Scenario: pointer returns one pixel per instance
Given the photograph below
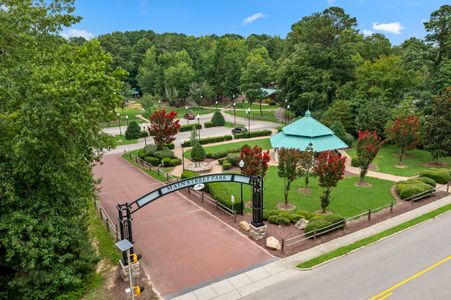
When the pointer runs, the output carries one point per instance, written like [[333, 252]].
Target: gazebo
[[301, 133]]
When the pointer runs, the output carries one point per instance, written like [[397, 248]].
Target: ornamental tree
[[329, 168], [368, 145], [404, 132], [163, 127], [289, 168], [306, 161], [255, 161]]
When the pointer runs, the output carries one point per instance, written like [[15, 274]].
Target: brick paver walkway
[[183, 246]]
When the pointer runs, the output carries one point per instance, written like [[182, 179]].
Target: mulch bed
[[286, 232]]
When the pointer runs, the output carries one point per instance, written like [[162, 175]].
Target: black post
[[241, 199], [257, 202], [198, 125], [183, 159], [125, 227], [234, 114]]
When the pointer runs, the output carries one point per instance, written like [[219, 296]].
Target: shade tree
[[163, 127], [367, 147]]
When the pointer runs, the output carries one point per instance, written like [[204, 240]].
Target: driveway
[[183, 246]]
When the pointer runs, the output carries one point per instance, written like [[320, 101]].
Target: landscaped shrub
[[411, 187], [439, 175], [355, 162], [141, 153], [427, 180], [188, 174], [209, 140], [218, 119], [166, 161], [189, 127], [170, 146], [209, 124], [410, 191], [216, 155], [233, 150], [133, 131], [154, 161], [280, 217], [304, 214], [220, 193], [323, 224], [150, 150], [198, 152], [175, 162], [252, 134], [164, 154], [339, 130], [144, 133], [226, 165], [233, 158]]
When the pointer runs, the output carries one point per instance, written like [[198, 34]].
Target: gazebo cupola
[[301, 133]]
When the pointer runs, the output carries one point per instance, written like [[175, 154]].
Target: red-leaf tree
[[163, 127], [330, 168], [368, 145], [289, 168], [404, 132], [255, 161]]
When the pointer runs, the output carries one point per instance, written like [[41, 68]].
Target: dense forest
[[324, 64]]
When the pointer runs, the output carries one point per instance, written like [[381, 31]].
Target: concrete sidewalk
[[259, 278]]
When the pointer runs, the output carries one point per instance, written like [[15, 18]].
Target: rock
[[273, 243], [245, 226], [301, 223]]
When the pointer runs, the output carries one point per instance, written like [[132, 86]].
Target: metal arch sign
[[189, 182]]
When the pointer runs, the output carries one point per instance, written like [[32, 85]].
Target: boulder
[[245, 226], [301, 223], [273, 243]]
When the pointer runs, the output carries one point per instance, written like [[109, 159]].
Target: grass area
[[388, 157], [120, 140], [264, 143], [181, 111], [255, 115], [346, 249], [107, 251], [347, 199], [231, 125], [153, 173], [132, 114], [256, 106]]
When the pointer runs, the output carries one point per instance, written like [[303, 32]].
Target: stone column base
[[124, 271], [257, 233]]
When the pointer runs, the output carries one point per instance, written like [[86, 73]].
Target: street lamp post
[[216, 103], [234, 114], [198, 124], [186, 111], [182, 141], [119, 119], [288, 112], [286, 103], [248, 111], [241, 165], [126, 118]]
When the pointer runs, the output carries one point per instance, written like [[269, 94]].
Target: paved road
[[183, 245], [373, 271], [205, 132]]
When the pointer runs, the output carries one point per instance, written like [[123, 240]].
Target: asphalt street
[[205, 132], [415, 264]]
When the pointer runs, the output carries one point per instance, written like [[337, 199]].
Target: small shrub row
[[281, 217], [220, 193], [411, 187], [439, 175], [221, 154], [210, 124], [252, 134], [323, 224], [190, 127], [210, 140], [171, 162]]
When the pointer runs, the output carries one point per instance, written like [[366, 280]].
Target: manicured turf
[[255, 115], [346, 249], [255, 106], [155, 174], [181, 111], [347, 199], [132, 116], [119, 140], [264, 143], [388, 157]]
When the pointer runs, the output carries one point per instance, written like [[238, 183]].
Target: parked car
[[190, 116], [239, 130]]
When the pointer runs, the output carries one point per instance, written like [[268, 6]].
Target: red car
[[190, 116]]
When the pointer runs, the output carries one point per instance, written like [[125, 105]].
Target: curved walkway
[[183, 246]]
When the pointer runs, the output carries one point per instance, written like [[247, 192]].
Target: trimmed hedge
[[220, 193], [164, 154], [427, 180], [170, 146], [281, 217], [198, 152], [218, 119], [150, 150], [133, 131], [226, 165], [411, 187], [209, 124], [439, 175], [175, 162], [188, 174], [189, 127], [209, 140], [216, 155], [141, 153], [154, 161], [324, 224], [252, 134], [233, 158]]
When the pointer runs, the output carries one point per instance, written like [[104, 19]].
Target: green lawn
[[388, 157], [255, 115], [347, 199], [231, 125], [119, 140], [132, 116], [181, 111], [255, 106], [264, 143]]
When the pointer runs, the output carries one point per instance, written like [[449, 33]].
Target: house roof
[[268, 92], [307, 130]]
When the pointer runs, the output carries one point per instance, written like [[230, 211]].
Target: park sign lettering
[[146, 199]]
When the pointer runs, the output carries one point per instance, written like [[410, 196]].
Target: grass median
[[366, 241]]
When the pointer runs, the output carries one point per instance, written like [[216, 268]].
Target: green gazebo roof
[[268, 92], [307, 130]]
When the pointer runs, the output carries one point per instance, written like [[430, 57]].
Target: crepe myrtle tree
[[329, 168], [404, 132], [368, 145], [289, 168], [163, 127], [255, 161], [307, 161]]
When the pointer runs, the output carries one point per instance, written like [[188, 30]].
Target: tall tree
[[372, 115], [148, 75], [368, 145], [255, 161], [163, 127], [404, 132], [288, 168], [306, 163]]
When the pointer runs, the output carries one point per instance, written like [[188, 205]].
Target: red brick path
[[183, 246]]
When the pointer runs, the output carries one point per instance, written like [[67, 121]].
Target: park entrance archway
[[125, 211]]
